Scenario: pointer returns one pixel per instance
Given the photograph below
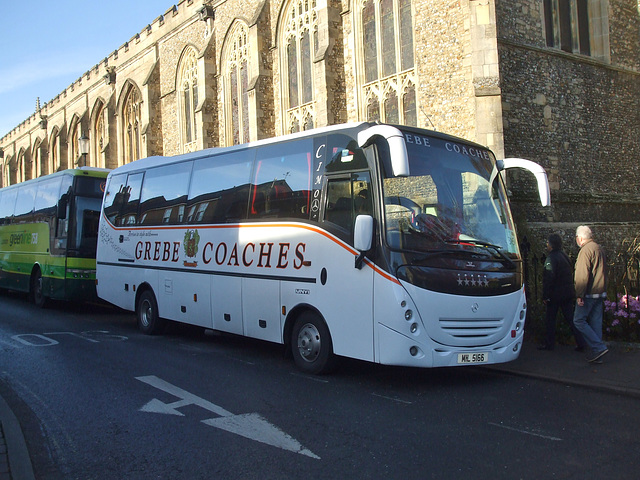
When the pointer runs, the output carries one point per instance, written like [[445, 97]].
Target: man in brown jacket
[[591, 290]]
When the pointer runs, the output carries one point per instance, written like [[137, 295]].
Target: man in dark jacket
[[558, 292]]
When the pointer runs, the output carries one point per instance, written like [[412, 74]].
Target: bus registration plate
[[471, 358]]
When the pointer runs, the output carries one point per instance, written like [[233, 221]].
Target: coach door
[[350, 320]]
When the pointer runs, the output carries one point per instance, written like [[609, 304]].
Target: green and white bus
[[49, 233]]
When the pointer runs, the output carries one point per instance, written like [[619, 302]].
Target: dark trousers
[[567, 308]]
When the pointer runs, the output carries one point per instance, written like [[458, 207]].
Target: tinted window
[[164, 194], [26, 200], [115, 196], [282, 180], [62, 228], [90, 186], [219, 190], [129, 212], [347, 198], [7, 203], [48, 195], [122, 199], [339, 207], [344, 154]]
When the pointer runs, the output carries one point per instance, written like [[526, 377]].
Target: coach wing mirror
[[362, 237], [533, 167], [397, 147], [62, 206]]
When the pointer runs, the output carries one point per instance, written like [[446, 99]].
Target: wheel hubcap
[[309, 342], [145, 313]]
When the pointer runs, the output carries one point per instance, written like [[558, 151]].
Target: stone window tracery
[[37, 158], [300, 34], [236, 65], [74, 151], [54, 143], [99, 135], [21, 167], [387, 73], [188, 91], [131, 120]]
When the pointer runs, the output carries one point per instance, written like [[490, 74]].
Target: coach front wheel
[[37, 293], [149, 322], [311, 344]]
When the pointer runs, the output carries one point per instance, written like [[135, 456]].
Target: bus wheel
[[147, 312], [37, 294], [311, 344]]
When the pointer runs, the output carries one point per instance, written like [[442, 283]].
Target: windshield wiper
[[421, 256], [480, 243]]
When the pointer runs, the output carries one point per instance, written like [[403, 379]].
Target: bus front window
[[447, 200], [85, 231]]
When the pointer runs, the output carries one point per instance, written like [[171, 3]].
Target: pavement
[[619, 373], [15, 463]]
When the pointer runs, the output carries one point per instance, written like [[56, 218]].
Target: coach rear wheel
[[149, 321], [311, 344]]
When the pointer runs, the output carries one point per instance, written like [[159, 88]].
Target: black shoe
[[597, 356], [545, 347]]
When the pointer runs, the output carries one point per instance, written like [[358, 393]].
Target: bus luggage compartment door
[[226, 293], [261, 309]]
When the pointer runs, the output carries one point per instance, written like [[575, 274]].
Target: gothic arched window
[[99, 134], [300, 42], [74, 151], [37, 158], [236, 77], [131, 125], [54, 152], [387, 84], [188, 99], [21, 167]]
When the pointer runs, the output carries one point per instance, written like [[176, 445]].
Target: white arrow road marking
[[250, 425], [156, 406], [254, 427]]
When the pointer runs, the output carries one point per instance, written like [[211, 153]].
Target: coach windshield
[[448, 200]]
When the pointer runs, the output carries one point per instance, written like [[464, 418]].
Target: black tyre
[[37, 293], [311, 344], [149, 321]]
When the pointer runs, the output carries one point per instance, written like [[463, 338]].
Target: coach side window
[[122, 198], [25, 203], [219, 191], [47, 198], [164, 194], [115, 196], [130, 208], [346, 198], [7, 204], [282, 181]]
